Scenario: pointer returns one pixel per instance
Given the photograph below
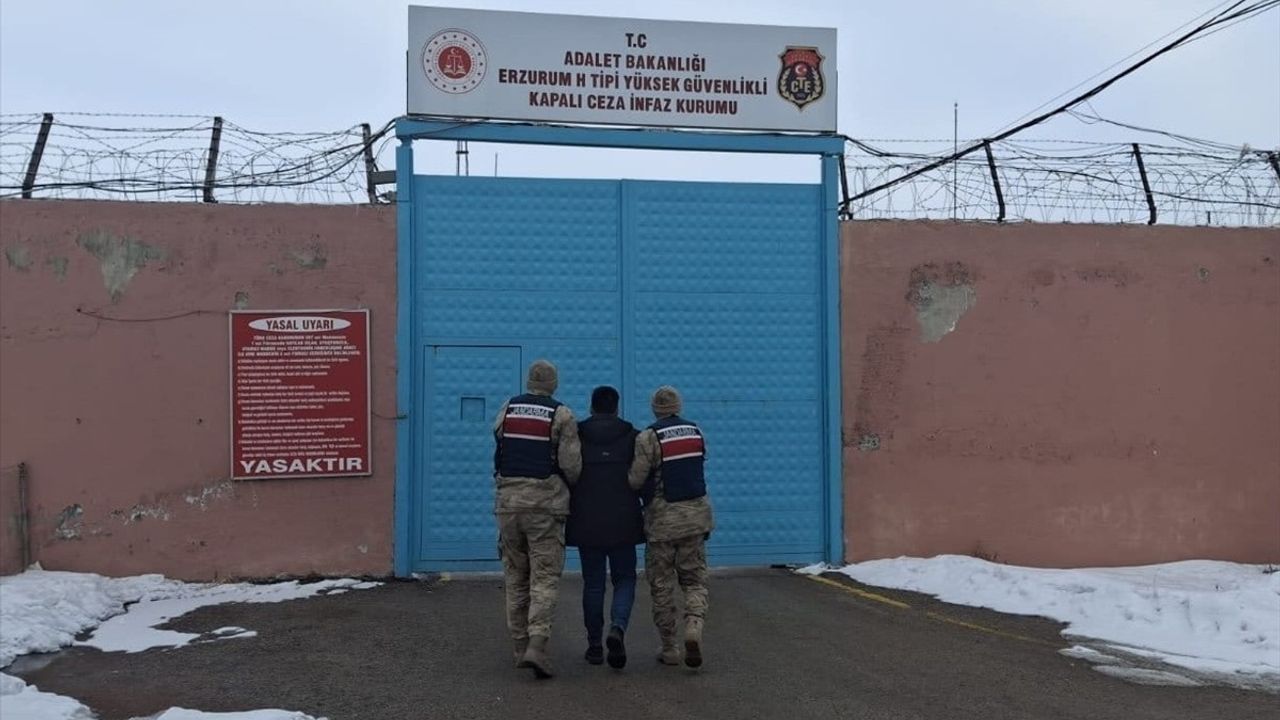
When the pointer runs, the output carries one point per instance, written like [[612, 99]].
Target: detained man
[[606, 524]]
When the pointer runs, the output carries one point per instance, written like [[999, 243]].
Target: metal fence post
[[370, 167], [211, 169], [995, 179], [845, 213], [1146, 186], [37, 153]]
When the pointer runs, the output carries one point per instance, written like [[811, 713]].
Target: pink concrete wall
[[1108, 395], [124, 425], [1045, 395]]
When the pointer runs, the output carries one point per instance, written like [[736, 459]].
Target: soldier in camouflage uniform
[[536, 458], [677, 519]]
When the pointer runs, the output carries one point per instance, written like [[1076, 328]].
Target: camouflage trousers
[[532, 549], [680, 562]]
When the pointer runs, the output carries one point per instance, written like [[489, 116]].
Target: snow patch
[[20, 700], [42, 611], [1147, 676], [1215, 618], [183, 714], [136, 630], [233, 631], [1080, 652]]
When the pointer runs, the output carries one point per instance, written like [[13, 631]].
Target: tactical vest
[[524, 446], [683, 454]]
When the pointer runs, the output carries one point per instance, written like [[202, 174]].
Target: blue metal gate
[[720, 289]]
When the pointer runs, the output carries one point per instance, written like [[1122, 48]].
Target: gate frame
[[829, 147]]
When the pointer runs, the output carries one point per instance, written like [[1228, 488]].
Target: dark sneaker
[[617, 649], [594, 655]]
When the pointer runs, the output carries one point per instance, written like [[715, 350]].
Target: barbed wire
[[169, 160], [1193, 182], [166, 157]]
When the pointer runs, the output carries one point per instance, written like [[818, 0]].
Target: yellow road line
[[985, 629], [929, 614], [860, 593]]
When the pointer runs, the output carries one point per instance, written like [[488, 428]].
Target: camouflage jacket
[[542, 495], [665, 521]]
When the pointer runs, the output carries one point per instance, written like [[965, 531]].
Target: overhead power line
[[1117, 63], [1236, 12]]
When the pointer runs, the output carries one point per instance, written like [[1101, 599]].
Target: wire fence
[[1177, 180], [1071, 181], [183, 158]]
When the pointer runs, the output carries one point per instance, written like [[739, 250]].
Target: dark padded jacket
[[603, 510]]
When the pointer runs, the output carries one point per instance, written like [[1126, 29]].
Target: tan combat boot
[[693, 641], [669, 655], [536, 657], [518, 650]]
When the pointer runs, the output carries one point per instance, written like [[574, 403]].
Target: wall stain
[[211, 493], [869, 442], [58, 265], [1043, 277], [242, 300], [121, 258], [140, 512], [18, 257], [875, 408], [941, 296], [1001, 441], [1119, 275], [310, 258], [70, 523]]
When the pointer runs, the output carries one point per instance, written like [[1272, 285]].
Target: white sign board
[[597, 70]]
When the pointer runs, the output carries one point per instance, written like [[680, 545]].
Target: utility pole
[[462, 163], [955, 149]]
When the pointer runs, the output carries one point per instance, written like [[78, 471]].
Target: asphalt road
[[777, 646]]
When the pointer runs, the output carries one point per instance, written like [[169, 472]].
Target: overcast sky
[[292, 65]]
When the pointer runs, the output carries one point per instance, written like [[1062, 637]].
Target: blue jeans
[[622, 564]]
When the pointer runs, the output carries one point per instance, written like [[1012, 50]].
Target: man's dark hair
[[604, 401]]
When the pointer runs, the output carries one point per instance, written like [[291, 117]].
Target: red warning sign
[[300, 394]]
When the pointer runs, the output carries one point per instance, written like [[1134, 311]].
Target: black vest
[[524, 443], [683, 454], [604, 511]]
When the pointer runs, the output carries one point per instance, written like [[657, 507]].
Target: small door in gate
[[464, 387]]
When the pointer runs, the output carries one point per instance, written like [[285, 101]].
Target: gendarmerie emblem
[[800, 81]]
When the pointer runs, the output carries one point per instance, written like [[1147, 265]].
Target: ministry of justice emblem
[[454, 61]]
